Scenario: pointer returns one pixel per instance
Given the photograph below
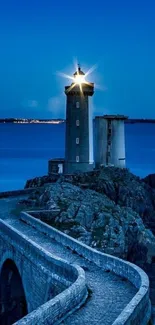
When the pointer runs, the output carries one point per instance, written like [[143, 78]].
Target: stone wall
[[138, 311], [39, 270]]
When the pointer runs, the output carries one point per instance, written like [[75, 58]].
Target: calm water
[[26, 148]]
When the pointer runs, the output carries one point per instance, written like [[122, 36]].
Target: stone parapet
[[138, 311], [43, 262]]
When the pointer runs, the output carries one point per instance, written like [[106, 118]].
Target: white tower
[[110, 140]]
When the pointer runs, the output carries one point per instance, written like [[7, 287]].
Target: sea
[[26, 148]]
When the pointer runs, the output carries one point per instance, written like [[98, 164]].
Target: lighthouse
[[79, 128]]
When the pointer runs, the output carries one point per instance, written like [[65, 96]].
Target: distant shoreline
[[59, 121], [139, 120], [31, 121]]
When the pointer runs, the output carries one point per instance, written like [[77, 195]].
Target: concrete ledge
[[68, 300], [138, 311]]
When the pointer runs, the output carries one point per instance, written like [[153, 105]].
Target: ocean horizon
[[26, 148]]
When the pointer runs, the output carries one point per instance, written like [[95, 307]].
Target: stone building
[[109, 140]]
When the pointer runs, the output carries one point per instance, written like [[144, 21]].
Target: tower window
[[77, 140], [77, 104], [77, 158], [77, 122]]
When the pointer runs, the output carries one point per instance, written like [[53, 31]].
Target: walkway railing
[[138, 311], [68, 300]]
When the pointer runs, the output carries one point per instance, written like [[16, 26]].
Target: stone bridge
[[47, 277]]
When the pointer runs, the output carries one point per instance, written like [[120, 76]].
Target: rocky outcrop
[[150, 180], [96, 220], [110, 209], [124, 188], [40, 181], [119, 185]]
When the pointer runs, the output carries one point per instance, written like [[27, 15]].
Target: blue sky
[[39, 38]]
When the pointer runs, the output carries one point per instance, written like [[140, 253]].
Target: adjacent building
[[109, 140]]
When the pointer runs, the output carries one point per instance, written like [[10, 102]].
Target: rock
[[150, 180], [83, 212], [112, 212], [41, 181]]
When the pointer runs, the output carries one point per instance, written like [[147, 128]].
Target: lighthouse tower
[[79, 129]]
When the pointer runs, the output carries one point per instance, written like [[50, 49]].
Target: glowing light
[[94, 67], [64, 75], [79, 79]]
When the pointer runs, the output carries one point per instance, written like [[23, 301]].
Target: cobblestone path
[[110, 293]]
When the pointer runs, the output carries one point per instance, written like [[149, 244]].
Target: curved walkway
[[109, 294]]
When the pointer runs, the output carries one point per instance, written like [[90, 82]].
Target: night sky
[[39, 38]]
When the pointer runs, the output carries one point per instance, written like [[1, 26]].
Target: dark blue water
[[26, 148]]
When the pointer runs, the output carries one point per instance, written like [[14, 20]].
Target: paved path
[[110, 294]]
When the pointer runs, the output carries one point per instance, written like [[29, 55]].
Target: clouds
[[56, 105], [52, 107], [33, 103], [29, 103]]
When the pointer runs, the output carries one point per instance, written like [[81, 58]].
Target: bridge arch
[[13, 305]]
